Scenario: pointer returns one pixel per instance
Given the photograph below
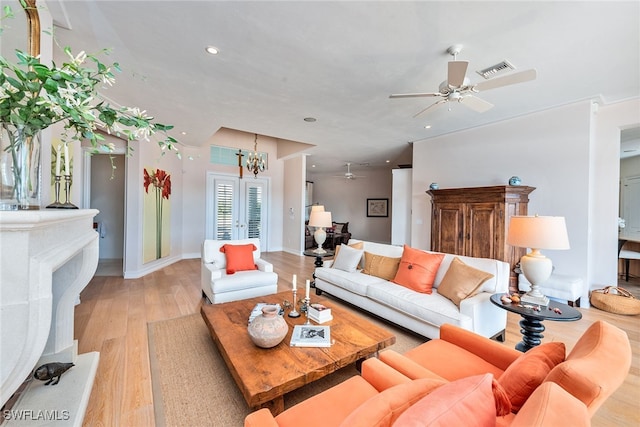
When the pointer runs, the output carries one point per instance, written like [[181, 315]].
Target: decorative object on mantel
[[67, 181], [255, 160], [34, 96], [51, 372], [434, 186], [269, 328], [514, 180]]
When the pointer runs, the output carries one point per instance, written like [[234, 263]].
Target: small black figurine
[[52, 372]]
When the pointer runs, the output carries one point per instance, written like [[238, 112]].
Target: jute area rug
[[191, 383]]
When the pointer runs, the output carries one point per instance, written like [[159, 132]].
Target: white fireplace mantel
[[46, 258]]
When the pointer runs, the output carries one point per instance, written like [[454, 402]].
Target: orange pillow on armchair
[[239, 257]]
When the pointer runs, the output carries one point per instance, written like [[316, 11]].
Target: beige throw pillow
[[462, 281], [380, 266]]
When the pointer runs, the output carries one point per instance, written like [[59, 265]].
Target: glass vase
[[20, 169]]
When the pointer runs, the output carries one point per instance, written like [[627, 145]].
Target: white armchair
[[218, 286]]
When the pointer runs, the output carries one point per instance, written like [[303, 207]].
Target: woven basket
[[615, 300]]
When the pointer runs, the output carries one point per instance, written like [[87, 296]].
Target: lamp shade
[[320, 219], [538, 232], [319, 208]]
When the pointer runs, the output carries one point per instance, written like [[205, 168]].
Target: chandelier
[[255, 161]]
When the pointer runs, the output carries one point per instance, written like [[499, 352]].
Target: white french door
[[236, 208]]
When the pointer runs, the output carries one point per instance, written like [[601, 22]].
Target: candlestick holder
[[56, 204], [67, 189], [294, 312], [305, 308]]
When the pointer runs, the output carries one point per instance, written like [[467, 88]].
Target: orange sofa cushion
[[382, 410], [462, 281], [418, 269], [450, 361], [468, 401], [239, 257], [528, 371], [330, 407]]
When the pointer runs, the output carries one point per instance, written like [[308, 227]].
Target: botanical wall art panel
[[156, 222]]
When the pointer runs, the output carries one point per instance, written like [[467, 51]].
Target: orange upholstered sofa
[[461, 375]]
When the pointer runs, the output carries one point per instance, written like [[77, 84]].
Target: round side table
[[532, 319], [318, 262]]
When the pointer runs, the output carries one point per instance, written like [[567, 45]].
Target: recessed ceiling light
[[183, 133], [388, 161], [212, 50], [313, 166], [310, 119], [427, 126]]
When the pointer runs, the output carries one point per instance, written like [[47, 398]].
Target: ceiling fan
[[458, 88], [349, 174]]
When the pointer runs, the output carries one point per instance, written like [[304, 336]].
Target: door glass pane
[[254, 212], [224, 212]]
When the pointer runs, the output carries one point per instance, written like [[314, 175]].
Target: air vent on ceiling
[[494, 70]]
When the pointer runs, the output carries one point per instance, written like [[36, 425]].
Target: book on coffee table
[[310, 336]]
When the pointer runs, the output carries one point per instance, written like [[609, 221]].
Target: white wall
[[609, 121], [347, 201], [294, 196], [573, 167]]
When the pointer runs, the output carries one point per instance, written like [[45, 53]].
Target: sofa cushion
[[239, 257], [450, 361], [380, 266], [430, 308], [462, 281], [469, 401], [528, 371], [386, 407], [357, 283], [418, 269], [242, 280], [347, 258]]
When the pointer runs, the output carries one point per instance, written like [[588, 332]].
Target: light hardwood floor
[[113, 315]]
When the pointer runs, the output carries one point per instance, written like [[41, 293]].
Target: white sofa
[[218, 286], [419, 312]]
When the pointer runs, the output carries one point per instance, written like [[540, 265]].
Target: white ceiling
[[339, 61]]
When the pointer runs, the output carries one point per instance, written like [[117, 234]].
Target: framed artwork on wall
[[378, 207]]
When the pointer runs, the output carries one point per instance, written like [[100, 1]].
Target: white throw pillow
[[348, 258]]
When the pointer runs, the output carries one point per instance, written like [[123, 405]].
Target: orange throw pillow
[[475, 400], [418, 269], [239, 257], [528, 371]]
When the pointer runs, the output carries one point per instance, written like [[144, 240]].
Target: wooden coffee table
[[265, 375]]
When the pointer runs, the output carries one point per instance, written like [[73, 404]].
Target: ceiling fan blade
[[520, 77], [475, 103], [414, 95], [442, 101], [457, 72]]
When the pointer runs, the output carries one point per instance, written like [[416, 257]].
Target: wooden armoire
[[474, 222]]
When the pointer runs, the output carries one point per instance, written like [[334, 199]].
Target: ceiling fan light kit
[[457, 87]]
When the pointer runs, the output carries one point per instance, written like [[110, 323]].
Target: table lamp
[[320, 220], [537, 232]]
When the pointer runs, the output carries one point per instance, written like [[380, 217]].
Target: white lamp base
[[320, 236], [533, 299], [537, 269]]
